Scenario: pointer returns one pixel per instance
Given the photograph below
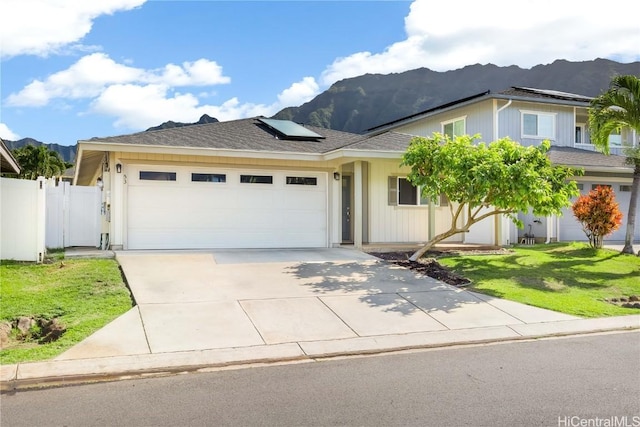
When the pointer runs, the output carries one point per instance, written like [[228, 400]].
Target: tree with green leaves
[[617, 108], [39, 161], [484, 180]]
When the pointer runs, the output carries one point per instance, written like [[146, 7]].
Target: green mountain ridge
[[67, 152], [360, 103]]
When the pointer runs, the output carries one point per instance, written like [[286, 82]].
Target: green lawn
[[570, 278], [85, 295]]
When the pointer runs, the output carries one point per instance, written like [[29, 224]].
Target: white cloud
[[139, 98], [41, 27], [448, 35], [199, 73], [151, 104], [299, 92], [8, 134], [92, 74], [141, 106]]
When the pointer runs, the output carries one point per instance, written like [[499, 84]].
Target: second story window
[[580, 134], [538, 125], [455, 127], [615, 139]]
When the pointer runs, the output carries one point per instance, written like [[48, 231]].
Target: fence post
[[41, 218]]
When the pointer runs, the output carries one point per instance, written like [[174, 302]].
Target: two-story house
[[529, 116]]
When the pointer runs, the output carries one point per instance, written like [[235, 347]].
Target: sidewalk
[[64, 372]]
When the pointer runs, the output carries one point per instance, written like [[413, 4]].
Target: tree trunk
[[431, 243], [631, 216]]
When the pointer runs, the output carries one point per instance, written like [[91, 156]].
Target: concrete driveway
[[198, 300]]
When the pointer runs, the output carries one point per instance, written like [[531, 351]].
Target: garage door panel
[[304, 219], [571, 229], [252, 199], [184, 214], [302, 198]]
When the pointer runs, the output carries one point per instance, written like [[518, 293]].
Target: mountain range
[[360, 103], [67, 152]]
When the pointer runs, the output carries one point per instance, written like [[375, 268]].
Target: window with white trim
[[615, 139], [403, 193], [538, 125], [455, 127]]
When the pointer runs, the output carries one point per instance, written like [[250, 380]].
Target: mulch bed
[[426, 265]]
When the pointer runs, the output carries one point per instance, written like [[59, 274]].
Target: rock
[[634, 298], [5, 332], [24, 325], [631, 305], [51, 330]]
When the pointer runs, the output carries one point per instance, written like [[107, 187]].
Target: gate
[[72, 216]]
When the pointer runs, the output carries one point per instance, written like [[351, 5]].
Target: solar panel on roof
[[290, 129]]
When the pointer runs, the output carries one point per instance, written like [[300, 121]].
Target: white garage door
[[195, 208]]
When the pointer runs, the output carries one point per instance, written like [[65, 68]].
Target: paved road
[[556, 382]]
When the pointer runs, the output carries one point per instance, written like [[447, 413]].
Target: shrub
[[598, 213]]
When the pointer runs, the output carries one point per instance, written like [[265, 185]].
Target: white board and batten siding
[[510, 123], [188, 214], [396, 224], [478, 120]]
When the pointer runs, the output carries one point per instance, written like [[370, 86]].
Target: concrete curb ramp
[[64, 372]]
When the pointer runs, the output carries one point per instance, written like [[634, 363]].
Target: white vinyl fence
[[35, 215], [22, 219]]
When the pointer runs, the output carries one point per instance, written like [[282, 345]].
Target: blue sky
[[79, 69]]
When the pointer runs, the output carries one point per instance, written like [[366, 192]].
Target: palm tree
[[616, 108], [39, 161]]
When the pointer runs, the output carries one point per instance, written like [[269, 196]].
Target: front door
[[347, 226]]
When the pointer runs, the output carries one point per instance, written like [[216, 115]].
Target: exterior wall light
[[118, 168], [99, 183], [336, 176]]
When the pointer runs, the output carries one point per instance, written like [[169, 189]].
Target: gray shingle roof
[[570, 156], [527, 92], [243, 134], [388, 141], [515, 92]]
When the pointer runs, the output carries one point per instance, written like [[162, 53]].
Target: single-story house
[[254, 183]]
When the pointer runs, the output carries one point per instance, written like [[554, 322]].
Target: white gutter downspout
[[496, 132], [498, 219], [549, 228]]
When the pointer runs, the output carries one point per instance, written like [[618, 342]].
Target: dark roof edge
[[562, 98], [439, 107]]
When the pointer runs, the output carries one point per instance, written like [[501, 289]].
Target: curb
[[56, 373]]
